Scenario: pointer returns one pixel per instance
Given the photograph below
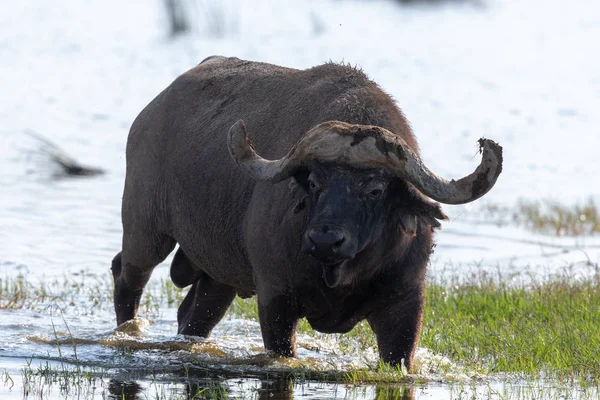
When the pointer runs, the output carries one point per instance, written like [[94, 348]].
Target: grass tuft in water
[[14, 293], [548, 216]]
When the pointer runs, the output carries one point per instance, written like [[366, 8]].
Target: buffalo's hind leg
[[203, 306], [131, 270]]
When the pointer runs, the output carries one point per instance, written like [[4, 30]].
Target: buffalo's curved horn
[[366, 146], [461, 191]]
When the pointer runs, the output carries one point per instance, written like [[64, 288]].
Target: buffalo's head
[[357, 179], [350, 209]]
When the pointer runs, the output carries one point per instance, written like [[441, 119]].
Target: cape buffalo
[[334, 225]]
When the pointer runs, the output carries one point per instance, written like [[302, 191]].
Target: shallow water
[[63, 344], [78, 73]]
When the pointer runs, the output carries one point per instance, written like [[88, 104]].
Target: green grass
[[550, 329], [548, 216]]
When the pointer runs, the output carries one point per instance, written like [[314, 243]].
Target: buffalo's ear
[[413, 203], [408, 223], [430, 212]]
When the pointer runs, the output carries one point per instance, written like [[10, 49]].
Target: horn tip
[[488, 147], [238, 129], [238, 140]]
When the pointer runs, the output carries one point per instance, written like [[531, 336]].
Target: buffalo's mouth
[[332, 246], [332, 273]]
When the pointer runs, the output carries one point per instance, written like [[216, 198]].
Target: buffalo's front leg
[[278, 320], [204, 306], [397, 326]]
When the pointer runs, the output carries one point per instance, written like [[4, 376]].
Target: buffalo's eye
[[375, 192], [314, 186]]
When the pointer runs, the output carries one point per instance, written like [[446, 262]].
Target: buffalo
[[328, 214]]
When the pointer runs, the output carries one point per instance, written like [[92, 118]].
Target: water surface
[[523, 74]]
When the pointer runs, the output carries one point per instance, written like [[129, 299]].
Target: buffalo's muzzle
[[329, 243]]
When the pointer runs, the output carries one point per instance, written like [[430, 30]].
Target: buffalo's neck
[[400, 269], [334, 310]]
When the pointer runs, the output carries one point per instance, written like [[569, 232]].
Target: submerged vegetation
[[548, 216]]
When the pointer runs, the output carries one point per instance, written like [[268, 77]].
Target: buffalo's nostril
[[325, 241], [308, 246], [337, 245]]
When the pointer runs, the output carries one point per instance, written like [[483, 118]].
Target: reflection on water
[[126, 390], [276, 389], [55, 380], [58, 380]]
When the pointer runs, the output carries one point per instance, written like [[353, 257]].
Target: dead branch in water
[[69, 166]]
